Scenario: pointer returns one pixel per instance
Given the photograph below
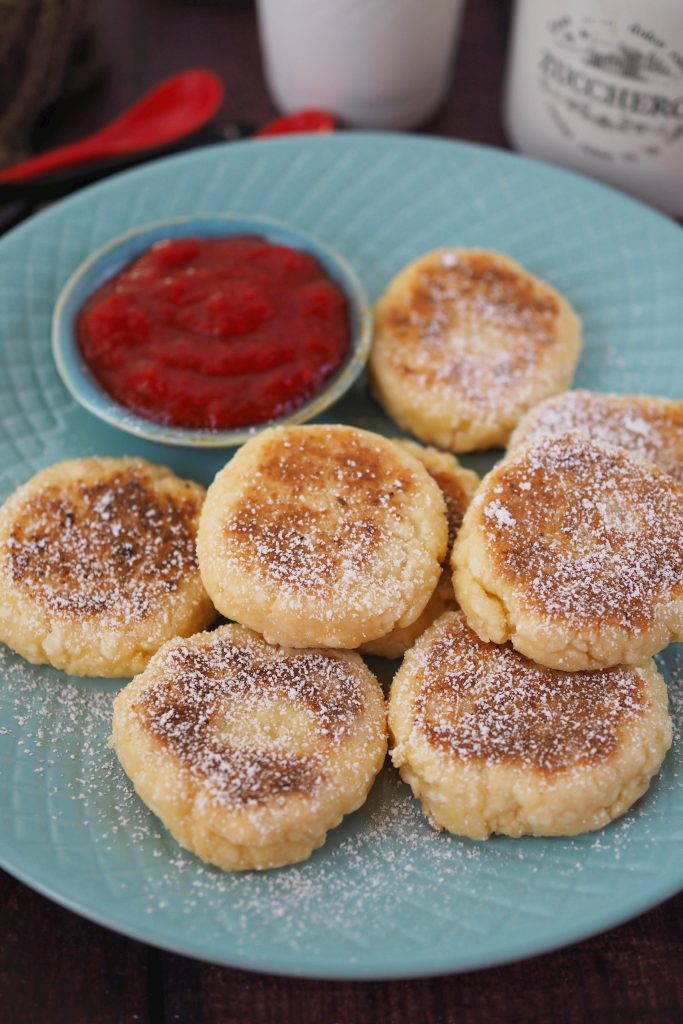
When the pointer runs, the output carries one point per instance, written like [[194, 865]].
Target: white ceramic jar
[[374, 63], [597, 85]]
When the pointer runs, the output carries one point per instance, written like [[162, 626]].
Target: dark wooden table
[[56, 967]]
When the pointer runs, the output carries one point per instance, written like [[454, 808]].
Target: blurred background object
[[48, 50], [597, 85], [167, 115], [373, 63]]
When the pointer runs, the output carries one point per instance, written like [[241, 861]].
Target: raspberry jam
[[215, 333]]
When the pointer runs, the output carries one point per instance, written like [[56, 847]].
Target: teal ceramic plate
[[386, 896]]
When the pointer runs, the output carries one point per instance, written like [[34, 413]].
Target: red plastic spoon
[[174, 109], [309, 121]]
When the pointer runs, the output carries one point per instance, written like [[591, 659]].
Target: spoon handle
[[46, 186], [172, 110], [55, 160], [93, 147]]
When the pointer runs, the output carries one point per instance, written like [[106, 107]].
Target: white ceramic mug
[[598, 85], [374, 63]]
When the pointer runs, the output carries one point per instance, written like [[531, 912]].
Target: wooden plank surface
[[56, 967], [618, 977]]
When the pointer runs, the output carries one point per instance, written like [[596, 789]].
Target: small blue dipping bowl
[[115, 255]]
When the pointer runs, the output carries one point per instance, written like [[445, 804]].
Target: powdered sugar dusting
[[347, 893], [585, 533], [475, 326], [112, 548], [329, 524], [651, 428], [486, 703], [206, 694], [494, 510]]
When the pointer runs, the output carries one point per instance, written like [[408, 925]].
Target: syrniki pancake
[[651, 428], [573, 551], [322, 536], [491, 742], [457, 483], [466, 342], [98, 566], [457, 486], [248, 753]]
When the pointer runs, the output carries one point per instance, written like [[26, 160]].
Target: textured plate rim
[[289, 965], [453, 962], [148, 169]]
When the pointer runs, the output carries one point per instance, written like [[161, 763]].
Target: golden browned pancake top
[[113, 548], [444, 324], [320, 507], [651, 428], [585, 533], [481, 702], [221, 706]]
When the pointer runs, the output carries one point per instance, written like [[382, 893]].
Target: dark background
[[56, 967]]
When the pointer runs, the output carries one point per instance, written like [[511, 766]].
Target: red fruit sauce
[[215, 333]]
